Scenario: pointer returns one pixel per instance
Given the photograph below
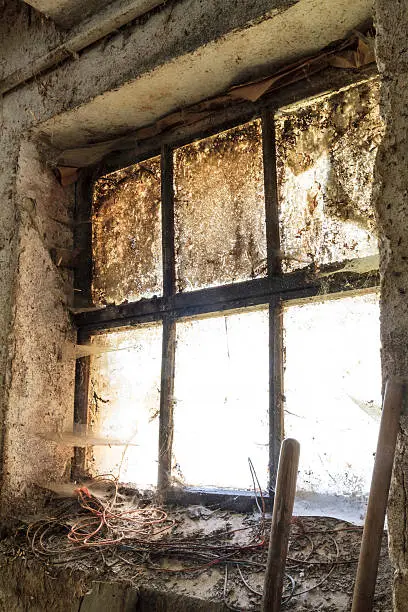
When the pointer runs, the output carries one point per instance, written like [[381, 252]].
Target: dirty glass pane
[[325, 153], [126, 239], [219, 209], [221, 401], [333, 392], [124, 401]]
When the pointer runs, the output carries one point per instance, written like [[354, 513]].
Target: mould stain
[[219, 208], [127, 234], [326, 155]]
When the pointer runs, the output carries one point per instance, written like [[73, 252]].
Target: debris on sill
[[210, 554], [359, 266]]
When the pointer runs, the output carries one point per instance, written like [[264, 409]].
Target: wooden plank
[[166, 405], [367, 569], [281, 519], [275, 389]]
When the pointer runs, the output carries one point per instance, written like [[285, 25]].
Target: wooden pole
[[281, 519], [377, 503]]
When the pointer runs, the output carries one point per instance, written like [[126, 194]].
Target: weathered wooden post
[[281, 520], [377, 502]]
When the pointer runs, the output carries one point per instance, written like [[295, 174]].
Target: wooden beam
[[293, 286]]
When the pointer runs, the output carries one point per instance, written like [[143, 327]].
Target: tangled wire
[[137, 536], [106, 523]]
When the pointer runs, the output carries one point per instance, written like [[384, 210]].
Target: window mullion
[[81, 405], [275, 387], [271, 194], [169, 324], [167, 207], [275, 307], [83, 240], [166, 404]]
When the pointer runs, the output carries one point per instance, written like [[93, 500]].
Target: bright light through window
[[221, 400], [333, 392], [124, 403]]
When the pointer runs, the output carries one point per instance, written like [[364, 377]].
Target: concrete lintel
[[182, 76]]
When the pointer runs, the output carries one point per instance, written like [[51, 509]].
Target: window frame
[[271, 291]]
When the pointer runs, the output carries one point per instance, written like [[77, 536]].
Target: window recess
[[254, 219]]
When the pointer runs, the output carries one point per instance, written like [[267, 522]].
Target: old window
[[235, 274]]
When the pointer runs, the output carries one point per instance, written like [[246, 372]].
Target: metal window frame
[[272, 291]]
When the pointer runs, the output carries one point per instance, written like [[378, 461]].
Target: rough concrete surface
[[188, 51], [25, 35], [67, 12], [40, 390], [392, 209]]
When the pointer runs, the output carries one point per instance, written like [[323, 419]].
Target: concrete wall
[[184, 52], [25, 35], [40, 390], [392, 207]]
